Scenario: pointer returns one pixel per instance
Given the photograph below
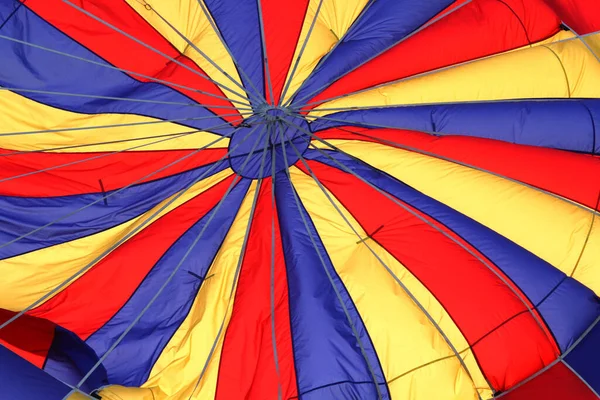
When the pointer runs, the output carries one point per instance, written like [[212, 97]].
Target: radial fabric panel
[[303, 199]]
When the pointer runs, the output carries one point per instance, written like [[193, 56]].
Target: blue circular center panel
[[267, 135]]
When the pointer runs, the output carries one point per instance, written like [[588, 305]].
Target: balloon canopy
[[299, 199]]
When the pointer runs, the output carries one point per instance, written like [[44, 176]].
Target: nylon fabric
[[67, 218], [86, 315], [170, 309], [261, 375], [477, 29], [550, 228], [178, 369], [579, 14], [237, 20], [553, 293], [383, 24], [28, 277], [71, 26], [542, 123], [563, 173], [558, 70], [408, 344], [20, 114], [69, 358], [21, 177], [22, 378], [29, 337], [510, 327], [333, 21], [117, 392], [557, 383], [25, 66], [338, 350], [302, 199], [282, 24], [190, 20], [581, 359]]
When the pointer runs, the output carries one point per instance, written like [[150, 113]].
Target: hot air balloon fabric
[[300, 199]]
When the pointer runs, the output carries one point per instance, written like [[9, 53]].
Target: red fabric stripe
[[480, 28], [564, 173], [117, 276], [282, 22], [125, 53], [476, 299], [558, 383], [247, 368], [28, 337], [581, 15], [115, 171]]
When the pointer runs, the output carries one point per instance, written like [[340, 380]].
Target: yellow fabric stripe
[[594, 42], [406, 339], [333, 21], [588, 268], [550, 227], [116, 392], [27, 277], [77, 396], [189, 19], [19, 114], [178, 368], [560, 36], [540, 71]]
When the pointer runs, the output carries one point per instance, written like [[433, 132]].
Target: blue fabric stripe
[[26, 67], [383, 24], [132, 360], [21, 215], [560, 124], [584, 358], [8, 11], [238, 22], [325, 349], [20, 379], [567, 306], [569, 310], [593, 107], [69, 359], [342, 390]]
